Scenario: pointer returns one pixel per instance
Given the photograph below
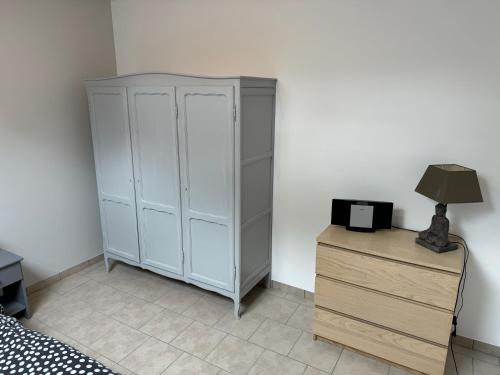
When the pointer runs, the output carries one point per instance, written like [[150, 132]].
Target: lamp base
[[436, 237], [437, 249]]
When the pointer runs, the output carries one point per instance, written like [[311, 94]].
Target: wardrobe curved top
[[174, 78]]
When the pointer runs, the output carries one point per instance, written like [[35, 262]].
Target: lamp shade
[[450, 183]]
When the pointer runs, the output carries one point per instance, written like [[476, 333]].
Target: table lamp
[[446, 183]]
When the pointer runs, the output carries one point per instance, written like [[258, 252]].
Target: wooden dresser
[[382, 294]]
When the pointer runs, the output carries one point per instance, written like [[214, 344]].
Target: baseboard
[[477, 345], [463, 341], [63, 274], [291, 290], [458, 340]]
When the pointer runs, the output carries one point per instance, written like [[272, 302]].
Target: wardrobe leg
[[237, 313], [267, 281], [107, 263]]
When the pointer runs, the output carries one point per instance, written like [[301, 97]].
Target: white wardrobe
[[185, 176]]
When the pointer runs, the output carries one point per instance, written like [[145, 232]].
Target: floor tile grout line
[[223, 315], [147, 339], [80, 343], [162, 307], [287, 356], [50, 289], [256, 329], [309, 365], [149, 336], [165, 369], [297, 300], [265, 349], [201, 296], [169, 343], [295, 343], [216, 346], [194, 320], [107, 283], [467, 354], [238, 338], [195, 356], [192, 355], [338, 360], [139, 330], [294, 311], [255, 362], [101, 336], [116, 363], [70, 291], [57, 329], [180, 333]]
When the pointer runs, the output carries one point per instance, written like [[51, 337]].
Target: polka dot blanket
[[26, 352]]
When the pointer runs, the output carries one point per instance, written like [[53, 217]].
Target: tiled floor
[[136, 322]]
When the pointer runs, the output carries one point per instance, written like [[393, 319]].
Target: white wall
[[370, 93], [48, 197]]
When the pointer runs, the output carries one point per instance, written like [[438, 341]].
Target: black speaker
[[362, 216]]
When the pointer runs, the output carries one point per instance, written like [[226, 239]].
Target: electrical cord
[[453, 355], [461, 284]]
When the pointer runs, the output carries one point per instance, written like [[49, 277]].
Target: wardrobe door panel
[[210, 263], [121, 229], [154, 134], [161, 238], [208, 153], [206, 133], [113, 158]]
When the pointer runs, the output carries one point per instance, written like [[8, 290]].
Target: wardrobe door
[[115, 179], [206, 134], [156, 166]]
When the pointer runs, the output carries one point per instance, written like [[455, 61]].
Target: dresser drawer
[[10, 274], [401, 349], [402, 315], [436, 288]]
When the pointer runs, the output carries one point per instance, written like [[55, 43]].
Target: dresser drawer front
[[406, 351], [401, 315], [9, 275], [415, 283]]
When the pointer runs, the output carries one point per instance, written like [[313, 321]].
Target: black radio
[[362, 216]]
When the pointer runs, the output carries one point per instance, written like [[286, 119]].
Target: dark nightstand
[[12, 290]]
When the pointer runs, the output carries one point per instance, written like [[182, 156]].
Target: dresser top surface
[[395, 244], [7, 258]]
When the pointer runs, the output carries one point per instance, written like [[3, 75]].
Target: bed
[[23, 351]]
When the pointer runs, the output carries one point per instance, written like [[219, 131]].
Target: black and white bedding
[[23, 351]]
